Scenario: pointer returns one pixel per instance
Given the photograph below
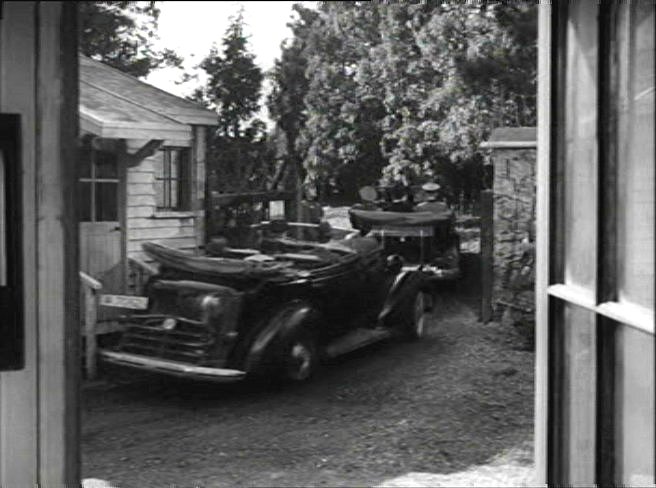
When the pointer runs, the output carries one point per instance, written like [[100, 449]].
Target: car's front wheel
[[419, 313], [300, 359]]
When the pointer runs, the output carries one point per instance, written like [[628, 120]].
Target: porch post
[[542, 243]]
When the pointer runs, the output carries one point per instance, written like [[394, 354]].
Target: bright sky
[[190, 28]]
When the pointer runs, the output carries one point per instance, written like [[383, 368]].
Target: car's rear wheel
[[300, 359]]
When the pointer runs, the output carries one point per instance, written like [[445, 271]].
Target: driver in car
[[433, 201], [400, 201]]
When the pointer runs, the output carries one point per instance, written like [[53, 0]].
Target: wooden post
[[542, 264], [39, 428], [199, 188], [90, 316], [90, 289], [487, 254], [57, 243]]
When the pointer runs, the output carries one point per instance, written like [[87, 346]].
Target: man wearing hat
[[432, 203]]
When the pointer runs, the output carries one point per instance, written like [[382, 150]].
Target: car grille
[[190, 341]]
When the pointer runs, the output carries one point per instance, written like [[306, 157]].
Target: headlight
[[211, 307], [195, 306]]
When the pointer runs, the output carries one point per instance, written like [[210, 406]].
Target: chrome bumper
[[172, 368], [433, 272]]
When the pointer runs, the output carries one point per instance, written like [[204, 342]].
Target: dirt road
[[456, 399]]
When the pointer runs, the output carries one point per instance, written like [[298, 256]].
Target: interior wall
[[38, 404]]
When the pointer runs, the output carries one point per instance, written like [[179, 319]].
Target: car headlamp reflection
[[211, 307]]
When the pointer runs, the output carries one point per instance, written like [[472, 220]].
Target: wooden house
[[141, 171]]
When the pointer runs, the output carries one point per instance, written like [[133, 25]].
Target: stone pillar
[[513, 156]]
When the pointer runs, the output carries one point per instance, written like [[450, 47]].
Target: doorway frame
[[119, 149]]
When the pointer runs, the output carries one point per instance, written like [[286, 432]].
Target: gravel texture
[[458, 403]]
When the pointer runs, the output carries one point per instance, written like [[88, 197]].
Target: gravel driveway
[[454, 400]]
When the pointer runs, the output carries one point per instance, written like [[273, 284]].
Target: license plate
[[124, 301]]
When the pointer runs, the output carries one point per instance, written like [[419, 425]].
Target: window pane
[[106, 165], [3, 237], [174, 197], [175, 162], [160, 198], [84, 161], [172, 188], [578, 394], [634, 420], [276, 209], [106, 202], [636, 154], [161, 159], [84, 201], [580, 145]]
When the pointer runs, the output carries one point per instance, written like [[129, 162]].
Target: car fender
[[404, 286], [285, 322]]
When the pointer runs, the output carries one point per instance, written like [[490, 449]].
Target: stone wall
[[513, 228]]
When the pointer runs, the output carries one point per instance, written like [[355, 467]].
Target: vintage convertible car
[[422, 235], [278, 309]]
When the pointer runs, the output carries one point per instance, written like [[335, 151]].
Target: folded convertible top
[[381, 217], [173, 258], [279, 266]]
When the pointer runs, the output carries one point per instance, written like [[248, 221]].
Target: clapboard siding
[[139, 211], [143, 222], [136, 177], [161, 232], [135, 189], [150, 223], [141, 201], [145, 166]]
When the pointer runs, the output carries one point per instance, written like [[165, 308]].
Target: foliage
[[400, 88], [239, 156], [234, 80], [238, 164], [342, 135], [289, 87], [121, 34]]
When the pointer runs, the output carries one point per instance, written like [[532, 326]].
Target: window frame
[[183, 179], [610, 316], [93, 181]]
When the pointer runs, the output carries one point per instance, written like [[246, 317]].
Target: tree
[[239, 154], [408, 88], [340, 138], [234, 84], [289, 88], [121, 34]]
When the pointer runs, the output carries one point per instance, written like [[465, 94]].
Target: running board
[[355, 340]]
